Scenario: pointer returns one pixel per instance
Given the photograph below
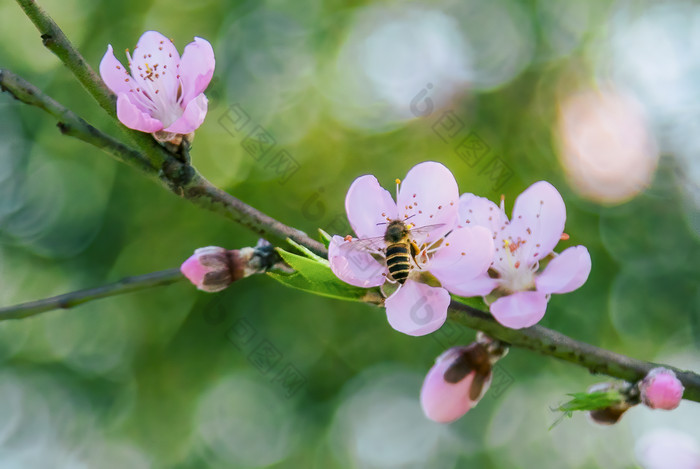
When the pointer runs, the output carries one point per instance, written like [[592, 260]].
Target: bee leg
[[415, 251]]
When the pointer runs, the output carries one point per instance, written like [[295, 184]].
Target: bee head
[[396, 231]]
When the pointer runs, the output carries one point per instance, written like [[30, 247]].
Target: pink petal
[[353, 265], [539, 215], [194, 270], [113, 73], [196, 68], [521, 309], [566, 272], [369, 207], [478, 286], [156, 52], [429, 196], [467, 253], [474, 210], [131, 116], [191, 118], [417, 309], [442, 401]]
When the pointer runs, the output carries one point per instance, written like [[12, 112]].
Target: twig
[[70, 124], [69, 300], [180, 178], [555, 344]]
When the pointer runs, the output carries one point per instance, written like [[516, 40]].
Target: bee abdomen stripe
[[396, 249]]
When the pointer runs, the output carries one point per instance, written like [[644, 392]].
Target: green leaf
[[586, 401], [324, 237], [315, 276], [304, 250], [475, 302], [591, 401]]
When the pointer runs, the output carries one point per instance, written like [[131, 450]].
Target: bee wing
[[420, 234], [425, 228], [370, 245]]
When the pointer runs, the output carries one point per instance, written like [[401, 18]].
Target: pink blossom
[[521, 243], [428, 202], [660, 389], [163, 92], [455, 383]]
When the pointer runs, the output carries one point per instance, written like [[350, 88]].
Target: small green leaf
[[586, 401], [324, 237], [475, 302], [591, 401], [316, 277], [304, 250]]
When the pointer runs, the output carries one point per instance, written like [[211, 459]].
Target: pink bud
[[456, 383], [661, 389], [211, 268]]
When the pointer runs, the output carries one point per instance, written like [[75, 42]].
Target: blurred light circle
[[243, 422], [606, 149], [666, 448], [393, 57], [92, 339], [107, 454], [564, 25], [382, 425], [499, 37]]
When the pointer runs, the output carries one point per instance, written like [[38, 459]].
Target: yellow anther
[[398, 181]]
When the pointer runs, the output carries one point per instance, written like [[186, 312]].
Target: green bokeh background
[[160, 378]]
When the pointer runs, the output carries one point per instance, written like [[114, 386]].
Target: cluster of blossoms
[[164, 93], [466, 243]]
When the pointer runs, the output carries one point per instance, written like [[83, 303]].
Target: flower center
[[152, 92], [515, 274]]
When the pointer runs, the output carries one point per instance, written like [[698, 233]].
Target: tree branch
[[185, 181], [69, 300], [71, 124]]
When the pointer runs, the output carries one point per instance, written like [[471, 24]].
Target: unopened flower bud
[[456, 382], [212, 268], [661, 389]]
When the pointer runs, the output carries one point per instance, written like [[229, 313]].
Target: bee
[[400, 249]]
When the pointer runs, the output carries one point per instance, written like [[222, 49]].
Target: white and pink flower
[[522, 242], [163, 92], [661, 389], [428, 200]]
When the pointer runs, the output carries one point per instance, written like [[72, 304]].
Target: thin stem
[[554, 344], [70, 300], [71, 124], [179, 177]]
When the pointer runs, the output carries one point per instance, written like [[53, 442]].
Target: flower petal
[[196, 68], [566, 272], [157, 53], [429, 196], [467, 253], [478, 286], [133, 117], [192, 117], [113, 73], [442, 401], [353, 265], [475, 210], [521, 309], [539, 215], [417, 309], [369, 206]]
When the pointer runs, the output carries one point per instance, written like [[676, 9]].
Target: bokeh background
[[600, 98]]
